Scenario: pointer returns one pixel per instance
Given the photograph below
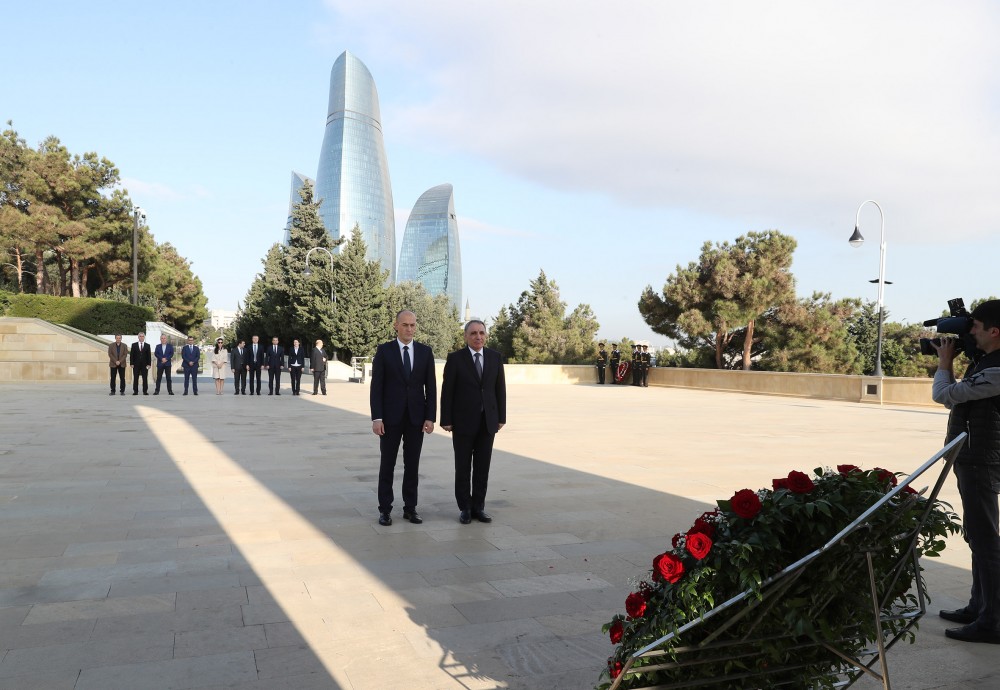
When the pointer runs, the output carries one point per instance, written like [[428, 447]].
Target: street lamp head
[[307, 272], [856, 239]]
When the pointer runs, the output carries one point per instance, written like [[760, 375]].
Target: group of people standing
[[246, 362], [404, 408], [642, 362]]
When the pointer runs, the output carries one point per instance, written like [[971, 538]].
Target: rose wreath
[[752, 536]]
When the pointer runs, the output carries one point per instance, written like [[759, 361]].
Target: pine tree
[[362, 319]]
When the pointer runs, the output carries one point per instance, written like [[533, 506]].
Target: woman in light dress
[[219, 359]]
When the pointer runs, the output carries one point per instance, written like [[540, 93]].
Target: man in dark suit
[[164, 361], [238, 362], [317, 363], [274, 362], [602, 362], [141, 358], [296, 363], [474, 409], [404, 407], [616, 359], [190, 361], [255, 360]]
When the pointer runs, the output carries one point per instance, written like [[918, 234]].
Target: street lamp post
[[307, 272], [138, 216], [857, 240]]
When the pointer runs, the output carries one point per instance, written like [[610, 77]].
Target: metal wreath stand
[[711, 651]]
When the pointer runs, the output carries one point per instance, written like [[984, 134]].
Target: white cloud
[[786, 112]]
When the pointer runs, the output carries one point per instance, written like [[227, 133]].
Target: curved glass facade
[[353, 175], [430, 254], [298, 179]]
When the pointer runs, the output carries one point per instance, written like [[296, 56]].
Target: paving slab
[[194, 542]]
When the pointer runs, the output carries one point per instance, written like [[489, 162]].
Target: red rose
[[615, 669], [669, 567], [698, 545], [745, 503], [910, 490], [799, 482], [886, 476], [704, 526], [848, 469], [635, 605], [779, 484], [616, 631]]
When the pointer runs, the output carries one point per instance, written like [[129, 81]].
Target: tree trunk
[[19, 260], [40, 272], [747, 343], [720, 341], [74, 276]]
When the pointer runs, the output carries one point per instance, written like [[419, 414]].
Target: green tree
[[722, 295], [362, 319], [178, 289], [809, 335], [437, 320], [537, 330]]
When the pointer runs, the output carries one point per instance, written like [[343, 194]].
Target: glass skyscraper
[[353, 175], [430, 254], [298, 179]]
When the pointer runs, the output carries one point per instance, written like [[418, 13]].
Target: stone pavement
[[168, 542]]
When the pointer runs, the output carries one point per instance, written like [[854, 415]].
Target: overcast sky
[[601, 142]]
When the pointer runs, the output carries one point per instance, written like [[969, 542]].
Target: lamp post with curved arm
[[307, 272], [857, 240]]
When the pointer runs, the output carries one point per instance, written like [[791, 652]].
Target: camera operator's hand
[[946, 353]]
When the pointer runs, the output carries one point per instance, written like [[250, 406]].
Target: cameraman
[[975, 408]]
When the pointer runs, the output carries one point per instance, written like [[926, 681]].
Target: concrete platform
[[223, 541]]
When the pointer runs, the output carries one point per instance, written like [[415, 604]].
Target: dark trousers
[[614, 372], [120, 373], [240, 380], [412, 437], [140, 373], [635, 375], [644, 377], [979, 486], [254, 376], [472, 466], [191, 373], [600, 374], [296, 374], [319, 379], [274, 380], [160, 371]]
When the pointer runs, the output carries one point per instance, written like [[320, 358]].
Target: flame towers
[[430, 254], [353, 175]]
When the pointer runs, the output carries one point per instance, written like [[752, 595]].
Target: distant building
[[221, 318], [353, 175], [430, 254], [298, 180]]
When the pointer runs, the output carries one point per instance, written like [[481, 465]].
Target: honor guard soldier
[[602, 362], [636, 364], [647, 363], [616, 358]]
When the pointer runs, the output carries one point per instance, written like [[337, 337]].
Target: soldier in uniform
[[616, 358], [602, 361], [647, 362], [636, 364]]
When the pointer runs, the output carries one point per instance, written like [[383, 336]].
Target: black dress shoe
[[170, 393], [482, 516], [465, 517], [384, 519], [134, 393], [112, 393], [156, 392], [962, 615], [412, 516], [973, 633]]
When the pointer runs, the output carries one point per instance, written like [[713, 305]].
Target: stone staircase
[[36, 350]]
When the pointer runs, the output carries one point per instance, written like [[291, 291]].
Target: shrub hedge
[[88, 314]]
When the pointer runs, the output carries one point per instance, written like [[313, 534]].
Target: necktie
[[406, 361], [479, 364]]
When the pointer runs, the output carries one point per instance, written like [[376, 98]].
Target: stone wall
[[36, 350]]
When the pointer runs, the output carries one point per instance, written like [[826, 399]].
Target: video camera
[[959, 323]]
